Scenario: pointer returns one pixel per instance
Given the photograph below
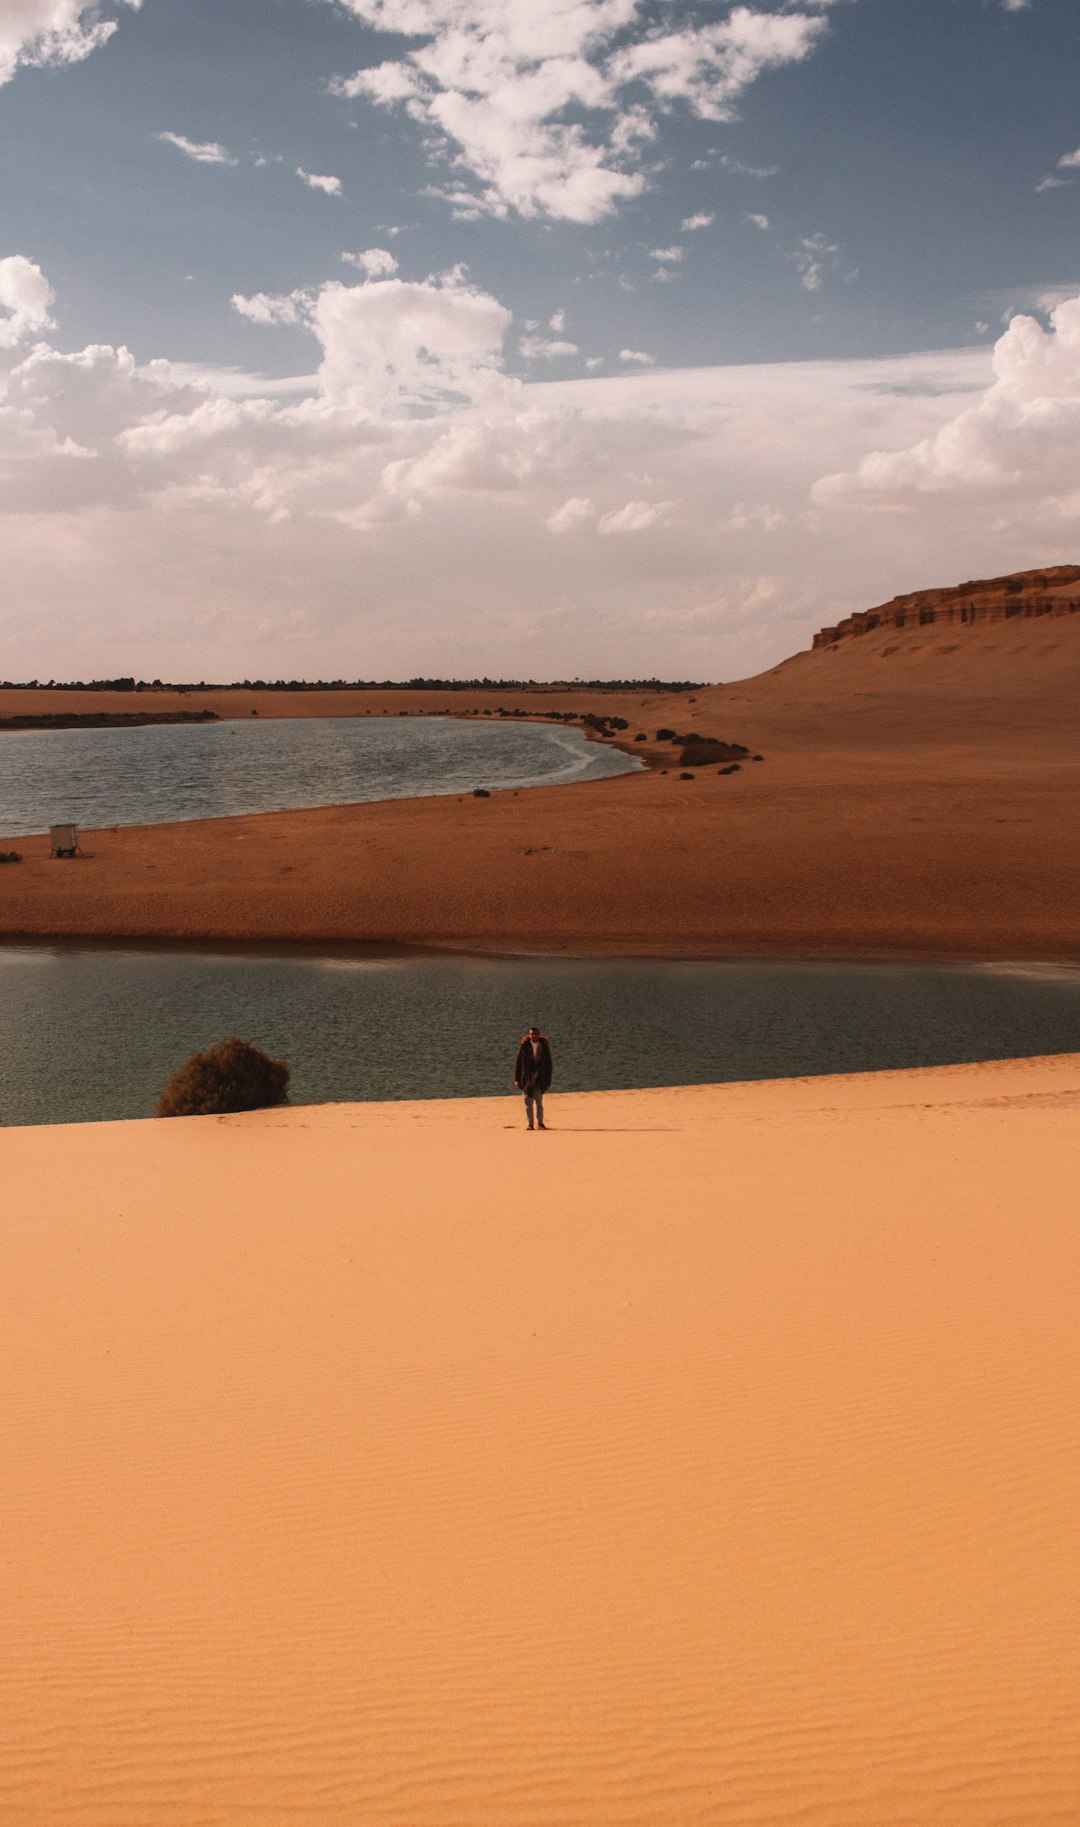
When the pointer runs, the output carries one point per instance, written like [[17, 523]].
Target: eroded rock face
[[1055, 591]]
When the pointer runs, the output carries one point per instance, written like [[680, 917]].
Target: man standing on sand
[[532, 1073]]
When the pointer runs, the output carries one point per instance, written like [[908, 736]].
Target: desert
[[919, 794], [709, 1458]]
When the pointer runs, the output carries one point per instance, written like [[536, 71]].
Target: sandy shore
[[919, 797], [708, 1459]]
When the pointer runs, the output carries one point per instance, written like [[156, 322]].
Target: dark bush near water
[[708, 751], [232, 1076]]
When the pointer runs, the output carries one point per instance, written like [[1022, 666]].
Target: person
[[532, 1073]]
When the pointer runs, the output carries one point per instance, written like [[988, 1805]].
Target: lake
[[165, 772], [90, 1033]]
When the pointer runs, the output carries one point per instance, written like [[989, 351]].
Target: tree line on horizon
[[418, 684]]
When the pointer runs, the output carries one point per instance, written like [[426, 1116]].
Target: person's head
[[534, 1032]]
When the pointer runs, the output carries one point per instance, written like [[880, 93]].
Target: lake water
[[164, 772], [94, 1033]]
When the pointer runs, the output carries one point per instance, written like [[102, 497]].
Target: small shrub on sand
[[706, 750], [686, 777], [480, 793], [234, 1075], [10, 856]]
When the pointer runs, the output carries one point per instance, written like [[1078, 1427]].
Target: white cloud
[[758, 220], [206, 152], [1021, 440], [667, 254], [576, 512], [37, 32], [26, 300], [814, 258], [1051, 183], [634, 517], [269, 308], [557, 322], [704, 219], [376, 262], [493, 83], [1071, 161], [637, 355], [542, 348], [330, 187], [196, 515], [1016, 6]]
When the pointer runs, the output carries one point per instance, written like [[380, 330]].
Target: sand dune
[[709, 1459]]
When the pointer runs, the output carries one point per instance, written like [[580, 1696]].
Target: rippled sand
[[710, 1458]]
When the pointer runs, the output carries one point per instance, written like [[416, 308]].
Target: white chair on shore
[[64, 840]]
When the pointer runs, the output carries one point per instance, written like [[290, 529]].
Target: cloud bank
[[412, 507]]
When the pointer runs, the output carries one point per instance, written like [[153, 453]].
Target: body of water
[[94, 1033], [164, 772]]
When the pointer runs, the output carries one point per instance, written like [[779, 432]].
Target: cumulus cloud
[[37, 32], [331, 187], [759, 221], [539, 516], [1020, 440], [634, 517], [501, 88], [205, 152], [575, 512], [668, 254], [376, 262], [26, 300], [1070, 162], [704, 219], [814, 258], [638, 357], [544, 348]]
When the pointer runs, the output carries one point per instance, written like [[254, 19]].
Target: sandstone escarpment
[[1055, 591]]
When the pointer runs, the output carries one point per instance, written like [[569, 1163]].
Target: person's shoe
[[529, 1126], [541, 1125]]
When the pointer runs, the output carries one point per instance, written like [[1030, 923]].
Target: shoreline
[[921, 804], [347, 949]]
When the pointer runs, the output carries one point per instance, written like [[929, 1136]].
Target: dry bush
[[708, 752], [234, 1075]]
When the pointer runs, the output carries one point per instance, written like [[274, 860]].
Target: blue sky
[[371, 335]]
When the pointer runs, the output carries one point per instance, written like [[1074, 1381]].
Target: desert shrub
[[641, 737], [686, 777], [665, 735], [732, 768], [480, 793], [234, 1075], [10, 856], [707, 751]]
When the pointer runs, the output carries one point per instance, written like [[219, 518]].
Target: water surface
[[94, 1033], [165, 772]]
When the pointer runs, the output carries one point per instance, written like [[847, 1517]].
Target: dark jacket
[[531, 1072]]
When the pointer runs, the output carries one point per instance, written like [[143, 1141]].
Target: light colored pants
[[534, 1095]]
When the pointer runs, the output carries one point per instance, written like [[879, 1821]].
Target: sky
[[383, 338]]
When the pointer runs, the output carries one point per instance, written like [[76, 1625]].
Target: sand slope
[[709, 1459]]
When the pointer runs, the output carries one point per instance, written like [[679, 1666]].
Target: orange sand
[[711, 1459]]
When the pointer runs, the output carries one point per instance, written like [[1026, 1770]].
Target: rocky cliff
[[1055, 591]]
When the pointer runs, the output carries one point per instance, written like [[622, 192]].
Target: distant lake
[[165, 772], [88, 1034]]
